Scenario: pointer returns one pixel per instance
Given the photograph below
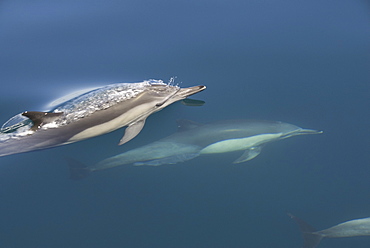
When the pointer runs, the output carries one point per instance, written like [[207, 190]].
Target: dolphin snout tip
[[199, 87]]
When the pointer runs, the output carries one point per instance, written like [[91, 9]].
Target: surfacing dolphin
[[194, 139], [352, 228], [93, 113]]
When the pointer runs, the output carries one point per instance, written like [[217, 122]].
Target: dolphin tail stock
[[310, 238], [77, 170]]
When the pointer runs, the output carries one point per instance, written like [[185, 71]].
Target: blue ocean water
[[301, 62]]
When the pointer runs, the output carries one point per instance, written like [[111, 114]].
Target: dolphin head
[[289, 130], [167, 94]]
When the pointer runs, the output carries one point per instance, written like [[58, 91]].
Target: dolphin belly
[[120, 121], [230, 145]]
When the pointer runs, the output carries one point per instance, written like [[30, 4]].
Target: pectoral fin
[[131, 131], [40, 118], [249, 154]]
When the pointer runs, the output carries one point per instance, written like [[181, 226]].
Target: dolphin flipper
[[249, 154], [169, 160], [131, 131]]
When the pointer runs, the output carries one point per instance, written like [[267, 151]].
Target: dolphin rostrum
[[351, 228], [194, 139], [93, 113]]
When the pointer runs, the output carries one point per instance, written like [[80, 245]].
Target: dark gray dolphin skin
[[93, 113], [352, 228], [194, 139]]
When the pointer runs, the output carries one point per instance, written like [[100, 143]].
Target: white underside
[[239, 144], [352, 228], [134, 114]]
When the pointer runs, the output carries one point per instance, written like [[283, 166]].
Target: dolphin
[[194, 139], [351, 228], [90, 114]]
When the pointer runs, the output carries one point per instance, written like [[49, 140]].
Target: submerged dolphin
[[194, 139], [93, 113], [352, 228]]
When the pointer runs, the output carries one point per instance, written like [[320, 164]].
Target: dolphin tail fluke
[[77, 170], [310, 237]]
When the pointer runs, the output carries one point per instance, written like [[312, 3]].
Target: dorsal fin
[[40, 118], [183, 125]]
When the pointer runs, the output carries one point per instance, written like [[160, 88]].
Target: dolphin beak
[[300, 132], [185, 92], [309, 131]]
